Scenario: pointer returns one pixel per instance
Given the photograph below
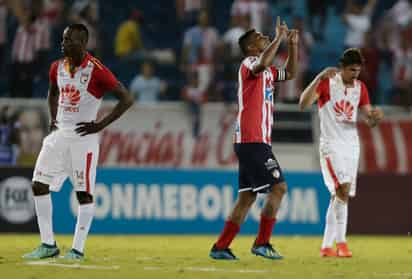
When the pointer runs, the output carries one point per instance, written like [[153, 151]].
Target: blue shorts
[[258, 168]]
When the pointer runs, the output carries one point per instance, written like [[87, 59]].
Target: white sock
[[44, 210], [330, 227], [84, 220], [341, 211]]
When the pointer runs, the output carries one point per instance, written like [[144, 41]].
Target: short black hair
[[82, 29], [244, 40], [351, 56]]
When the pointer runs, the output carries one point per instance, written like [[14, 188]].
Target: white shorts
[[339, 164], [61, 157]]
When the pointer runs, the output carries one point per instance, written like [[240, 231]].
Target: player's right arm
[[53, 96], [268, 55], [311, 93]]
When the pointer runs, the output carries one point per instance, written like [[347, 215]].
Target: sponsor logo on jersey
[[343, 110], [69, 95]]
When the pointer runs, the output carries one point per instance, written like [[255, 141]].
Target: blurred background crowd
[[186, 50]]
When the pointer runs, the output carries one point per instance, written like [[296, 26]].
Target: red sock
[[265, 229], [228, 234]]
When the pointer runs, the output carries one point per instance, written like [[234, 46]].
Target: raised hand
[[293, 36], [281, 29], [328, 72]]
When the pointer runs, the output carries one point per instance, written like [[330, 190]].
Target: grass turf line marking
[[75, 265], [208, 269], [392, 274]]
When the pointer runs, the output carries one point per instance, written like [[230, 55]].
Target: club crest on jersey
[[84, 77], [343, 110]]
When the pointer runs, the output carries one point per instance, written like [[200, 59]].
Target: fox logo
[[69, 95], [343, 109]]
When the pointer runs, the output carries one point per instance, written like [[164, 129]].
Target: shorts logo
[[271, 164], [40, 173]]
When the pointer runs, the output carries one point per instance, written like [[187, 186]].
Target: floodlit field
[[187, 257]]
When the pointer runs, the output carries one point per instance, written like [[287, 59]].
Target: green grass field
[[187, 257]]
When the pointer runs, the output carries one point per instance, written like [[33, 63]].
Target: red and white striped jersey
[[3, 23], [255, 100], [338, 110], [30, 39], [81, 92]]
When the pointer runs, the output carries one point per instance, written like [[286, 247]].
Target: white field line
[[208, 269], [393, 274], [74, 265]]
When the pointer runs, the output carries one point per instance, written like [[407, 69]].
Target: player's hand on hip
[[52, 125], [328, 72], [86, 128]]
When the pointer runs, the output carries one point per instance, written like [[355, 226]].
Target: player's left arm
[[125, 101], [372, 115], [107, 82], [292, 60]]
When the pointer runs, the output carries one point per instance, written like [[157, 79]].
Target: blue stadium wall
[[168, 201]]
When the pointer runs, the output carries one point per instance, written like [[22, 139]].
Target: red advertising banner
[[386, 148], [382, 205]]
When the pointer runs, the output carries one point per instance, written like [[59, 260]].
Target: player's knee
[[84, 197], [343, 193], [40, 189], [247, 199]]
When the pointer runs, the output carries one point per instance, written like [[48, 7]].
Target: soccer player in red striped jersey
[[259, 171], [77, 85], [341, 98]]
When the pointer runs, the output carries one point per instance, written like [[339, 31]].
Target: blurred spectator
[[8, 137], [53, 11], [86, 12], [257, 10], [290, 90], [239, 25], [3, 33], [357, 18], [128, 41], [401, 12], [146, 87], [32, 128], [370, 71], [317, 11], [403, 72], [200, 50], [30, 49], [187, 11], [231, 56], [200, 41], [194, 97]]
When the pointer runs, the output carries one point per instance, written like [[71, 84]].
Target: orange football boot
[[327, 252], [343, 250]]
